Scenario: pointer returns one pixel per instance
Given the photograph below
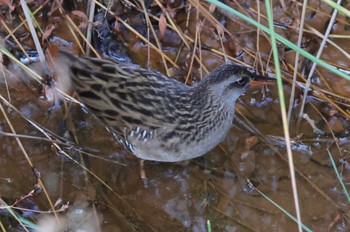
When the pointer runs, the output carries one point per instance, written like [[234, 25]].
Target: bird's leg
[[143, 173]]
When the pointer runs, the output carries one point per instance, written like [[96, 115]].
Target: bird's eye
[[251, 70], [241, 81]]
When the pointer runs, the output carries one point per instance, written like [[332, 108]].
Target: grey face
[[238, 83], [229, 80]]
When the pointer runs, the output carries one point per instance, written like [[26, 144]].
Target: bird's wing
[[124, 96]]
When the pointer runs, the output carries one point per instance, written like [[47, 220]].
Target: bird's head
[[228, 81]]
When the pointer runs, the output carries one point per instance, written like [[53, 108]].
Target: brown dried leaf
[[171, 11], [335, 125], [116, 25], [250, 142], [82, 17], [330, 110], [220, 30], [48, 31], [8, 3], [56, 4], [212, 8], [162, 25]]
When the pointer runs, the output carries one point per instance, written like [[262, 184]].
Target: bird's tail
[[63, 72], [71, 70]]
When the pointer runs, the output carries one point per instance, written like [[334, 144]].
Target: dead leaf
[[48, 31], [330, 110], [162, 25], [56, 5], [171, 11], [221, 31], [116, 25], [250, 142], [82, 17], [8, 3], [335, 125], [212, 8]]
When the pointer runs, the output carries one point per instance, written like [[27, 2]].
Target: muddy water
[[99, 181], [180, 196]]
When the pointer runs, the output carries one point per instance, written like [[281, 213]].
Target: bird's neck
[[203, 94]]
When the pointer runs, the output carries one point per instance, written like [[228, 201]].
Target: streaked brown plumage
[[155, 117]]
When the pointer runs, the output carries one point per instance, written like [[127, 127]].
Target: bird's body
[[155, 117]]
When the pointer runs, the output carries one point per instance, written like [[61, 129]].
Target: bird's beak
[[261, 80]]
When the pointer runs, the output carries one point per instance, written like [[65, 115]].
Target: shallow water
[[182, 196]]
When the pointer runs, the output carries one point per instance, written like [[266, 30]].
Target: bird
[[155, 117]]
